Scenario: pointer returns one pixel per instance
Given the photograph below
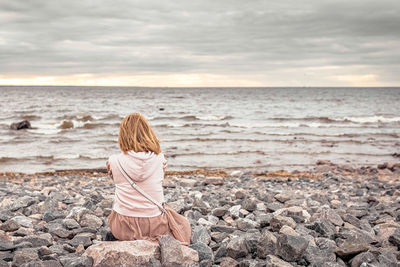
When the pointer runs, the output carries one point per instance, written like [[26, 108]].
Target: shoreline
[[321, 167]]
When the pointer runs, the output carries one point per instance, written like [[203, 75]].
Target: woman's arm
[[109, 169]]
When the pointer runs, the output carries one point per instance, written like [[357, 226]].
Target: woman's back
[[146, 169]]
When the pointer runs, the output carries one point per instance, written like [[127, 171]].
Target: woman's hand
[[109, 170]]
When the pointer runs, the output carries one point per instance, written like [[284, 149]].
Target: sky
[[200, 43]]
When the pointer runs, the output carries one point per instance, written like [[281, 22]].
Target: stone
[[23, 221], [49, 216], [291, 248], [288, 230], [200, 234], [123, 253], [234, 211], [267, 245], [25, 124], [187, 182], [70, 224], [362, 258], [10, 226], [222, 228], [21, 202], [214, 180], [278, 221], [6, 244], [171, 254], [249, 204], [395, 238], [324, 227], [228, 262], [237, 248], [80, 239], [347, 248], [76, 261], [37, 240], [219, 212], [204, 251], [245, 224], [92, 221], [329, 214], [273, 261], [24, 256]]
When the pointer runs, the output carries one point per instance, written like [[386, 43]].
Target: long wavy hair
[[136, 134]]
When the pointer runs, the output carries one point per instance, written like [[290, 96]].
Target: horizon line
[[137, 86]]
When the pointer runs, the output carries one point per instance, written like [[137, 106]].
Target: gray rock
[[80, 239], [222, 228], [245, 224], [76, 261], [57, 229], [219, 212], [395, 238], [70, 224], [363, 258], [237, 248], [273, 261], [324, 227], [249, 204], [90, 220], [348, 248], [200, 234], [25, 124], [10, 226], [171, 253], [21, 202], [24, 256], [52, 215], [267, 245], [204, 251], [6, 245], [23, 221], [291, 248], [278, 221], [37, 240]]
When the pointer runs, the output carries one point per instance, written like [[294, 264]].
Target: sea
[[253, 129]]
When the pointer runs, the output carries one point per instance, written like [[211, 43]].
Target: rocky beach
[[335, 215]]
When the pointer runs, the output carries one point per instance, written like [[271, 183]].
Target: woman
[[135, 215]]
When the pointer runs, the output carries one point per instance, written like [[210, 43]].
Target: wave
[[31, 117], [82, 118], [194, 118], [368, 119], [50, 158], [85, 125]]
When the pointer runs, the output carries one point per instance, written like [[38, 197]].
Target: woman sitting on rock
[[139, 211]]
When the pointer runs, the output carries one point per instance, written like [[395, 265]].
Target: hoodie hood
[[141, 165]]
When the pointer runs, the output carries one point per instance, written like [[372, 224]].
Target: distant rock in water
[[21, 125], [66, 125]]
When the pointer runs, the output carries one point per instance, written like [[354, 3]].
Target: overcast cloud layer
[[287, 43]]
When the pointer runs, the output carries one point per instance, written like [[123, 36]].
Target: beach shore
[[334, 215]]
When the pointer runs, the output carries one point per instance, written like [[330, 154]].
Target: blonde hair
[[136, 134]]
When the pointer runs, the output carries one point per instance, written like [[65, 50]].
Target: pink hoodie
[[146, 169]]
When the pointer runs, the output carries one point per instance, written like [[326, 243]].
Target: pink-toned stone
[[214, 180], [228, 262], [123, 253]]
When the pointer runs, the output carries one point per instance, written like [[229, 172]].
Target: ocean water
[[229, 128]]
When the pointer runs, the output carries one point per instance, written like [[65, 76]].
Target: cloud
[[264, 42]]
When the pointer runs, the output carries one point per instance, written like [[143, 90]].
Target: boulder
[[21, 125], [123, 253]]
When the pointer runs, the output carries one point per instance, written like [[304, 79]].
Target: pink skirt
[[150, 228]]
